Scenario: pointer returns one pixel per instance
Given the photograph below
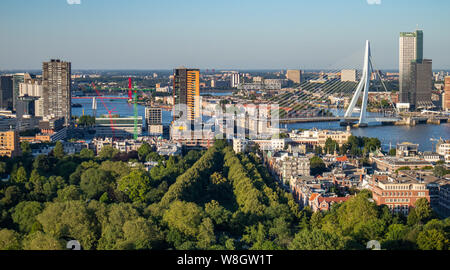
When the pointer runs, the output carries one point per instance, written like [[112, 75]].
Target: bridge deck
[[336, 119]]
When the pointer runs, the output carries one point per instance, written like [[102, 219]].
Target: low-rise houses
[[125, 146], [169, 149], [272, 145], [285, 165], [319, 137], [240, 145], [320, 203], [313, 192]]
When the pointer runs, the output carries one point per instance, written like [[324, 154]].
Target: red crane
[[130, 92]]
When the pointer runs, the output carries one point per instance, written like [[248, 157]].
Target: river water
[[388, 135]]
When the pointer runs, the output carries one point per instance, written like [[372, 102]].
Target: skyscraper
[[186, 91], [411, 50], [421, 83], [6, 92], [446, 99], [56, 82]]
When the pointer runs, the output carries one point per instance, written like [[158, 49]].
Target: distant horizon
[[201, 69]]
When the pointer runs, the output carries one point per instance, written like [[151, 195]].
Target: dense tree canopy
[[212, 199]]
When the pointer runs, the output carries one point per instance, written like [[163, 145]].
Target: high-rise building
[[6, 92], [186, 91], [421, 83], [153, 118], [446, 99], [235, 80], [56, 82], [349, 75], [19, 78], [9, 143], [33, 88], [411, 50], [294, 75]]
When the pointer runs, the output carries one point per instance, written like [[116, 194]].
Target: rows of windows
[[397, 200], [400, 194]]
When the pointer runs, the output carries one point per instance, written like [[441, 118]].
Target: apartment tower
[[56, 82], [186, 91]]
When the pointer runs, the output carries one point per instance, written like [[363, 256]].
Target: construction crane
[[437, 143], [135, 113], [133, 98]]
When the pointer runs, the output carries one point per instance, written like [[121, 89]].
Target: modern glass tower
[[411, 51], [6, 92]]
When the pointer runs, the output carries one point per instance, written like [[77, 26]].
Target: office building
[[421, 84], [349, 75], [392, 164], [9, 143], [122, 127], [6, 92], [153, 115], [235, 80], [411, 51], [294, 75], [56, 82], [33, 88], [18, 78], [446, 99], [398, 192], [186, 91], [153, 118], [407, 149]]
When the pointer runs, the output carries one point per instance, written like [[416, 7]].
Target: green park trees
[[317, 166], [135, 185], [214, 199], [86, 121]]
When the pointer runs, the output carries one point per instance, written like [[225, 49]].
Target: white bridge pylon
[[363, 84]]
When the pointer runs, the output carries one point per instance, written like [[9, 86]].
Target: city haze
[[99, 34]]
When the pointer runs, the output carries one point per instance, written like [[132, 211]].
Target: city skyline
[[297, 35]]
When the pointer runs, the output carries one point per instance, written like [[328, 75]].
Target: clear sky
[[234, 34]]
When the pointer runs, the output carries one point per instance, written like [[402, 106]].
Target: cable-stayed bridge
[[310, 100]]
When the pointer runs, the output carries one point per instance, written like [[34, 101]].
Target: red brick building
[[319, 203], [398, 192]]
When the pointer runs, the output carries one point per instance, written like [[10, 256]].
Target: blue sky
[[236, 34]]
